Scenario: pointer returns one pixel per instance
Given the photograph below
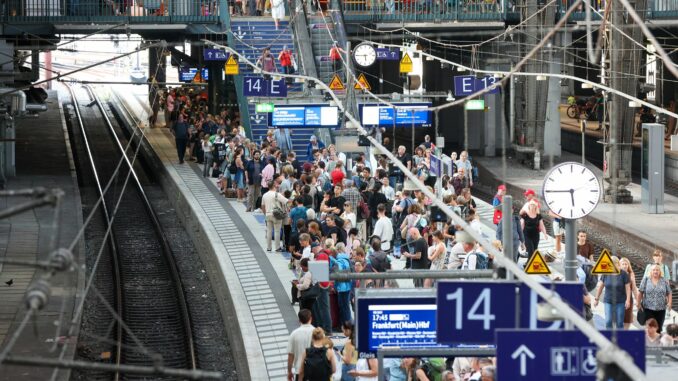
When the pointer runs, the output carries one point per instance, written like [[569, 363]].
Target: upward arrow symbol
[[523, 352]]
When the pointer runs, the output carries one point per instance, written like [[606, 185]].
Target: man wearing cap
[[465, 244], [314, 144], [497, 202], [530, 195]]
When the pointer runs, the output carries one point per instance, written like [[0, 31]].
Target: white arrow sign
[[523, 352], [240, 34], [257, 118]]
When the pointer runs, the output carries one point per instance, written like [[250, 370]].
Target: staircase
[[252, 35], [322, 42]]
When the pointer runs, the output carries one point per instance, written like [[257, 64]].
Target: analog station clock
[[364, 54], [571, 190]]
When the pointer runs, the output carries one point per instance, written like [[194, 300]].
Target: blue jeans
[[618, 311], [344, 302], [321, 309], [345, 368]]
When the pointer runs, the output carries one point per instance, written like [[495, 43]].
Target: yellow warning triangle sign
[[537, 265], [406, 64], [605, 265], [198, 77], [362, 83], [231, 67], [336, 84]]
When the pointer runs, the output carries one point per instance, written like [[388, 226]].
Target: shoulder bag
[[312, 293]]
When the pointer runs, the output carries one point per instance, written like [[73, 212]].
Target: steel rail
[[166, 249], [117, 279]]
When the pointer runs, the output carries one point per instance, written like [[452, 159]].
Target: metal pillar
[[215, 86], [507, 230], [624, 58], [571, 262]]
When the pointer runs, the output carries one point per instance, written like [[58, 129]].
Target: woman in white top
[[277, 11], [349, 217], [365, 370], [436, 254], [207, 153]]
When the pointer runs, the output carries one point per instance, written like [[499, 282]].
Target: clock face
[[571, 190], [364, 54]]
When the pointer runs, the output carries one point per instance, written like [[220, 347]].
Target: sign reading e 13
[[469, 84]]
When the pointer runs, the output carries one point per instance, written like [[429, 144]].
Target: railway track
[[136, 262]]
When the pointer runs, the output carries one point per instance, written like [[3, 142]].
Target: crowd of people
[[364, 216]]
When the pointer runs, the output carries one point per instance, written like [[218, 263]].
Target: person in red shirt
[[285, 58], [337, 174], [335, 56]]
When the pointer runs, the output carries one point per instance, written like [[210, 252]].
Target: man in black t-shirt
[[333, 231], [417, 252], [395, 172]]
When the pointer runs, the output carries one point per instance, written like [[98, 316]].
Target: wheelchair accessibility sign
[[573, 361]]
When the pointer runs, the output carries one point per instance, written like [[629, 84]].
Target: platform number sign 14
[[470, 311], [255, 86]]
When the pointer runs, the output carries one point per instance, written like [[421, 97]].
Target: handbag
[[588, 313], [640, 316], [279, 210], [311, 293]]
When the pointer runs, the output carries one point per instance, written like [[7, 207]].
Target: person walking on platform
[[532, 225], [180, 129], [270, 201], [654, 296], [253, 176], [299, 340], [617, 296]]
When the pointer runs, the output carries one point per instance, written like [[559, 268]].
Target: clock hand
[[559, 191], [572, 196]]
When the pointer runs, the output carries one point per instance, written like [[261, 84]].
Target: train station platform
[[43, 159]]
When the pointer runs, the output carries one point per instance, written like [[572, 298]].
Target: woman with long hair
[[318, 348], [436, 255], [349, 355], [628, 312]]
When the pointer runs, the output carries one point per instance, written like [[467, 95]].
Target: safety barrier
[[657, 9], [120, 11], [423, 10]]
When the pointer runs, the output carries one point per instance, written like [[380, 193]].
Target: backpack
[[316, 364], [363, 210], [590, 281], [482, 261]]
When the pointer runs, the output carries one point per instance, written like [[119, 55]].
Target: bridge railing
[[137, 11], [423, 10], [656, 9]]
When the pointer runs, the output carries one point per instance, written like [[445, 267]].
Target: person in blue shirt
[[298, 213], [180, 130]]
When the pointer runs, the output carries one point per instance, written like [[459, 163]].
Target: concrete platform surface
[[42, 160]]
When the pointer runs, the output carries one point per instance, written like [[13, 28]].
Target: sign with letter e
[[563, 355]]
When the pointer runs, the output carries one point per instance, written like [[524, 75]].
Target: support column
[[215, 86], [552, 145]]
